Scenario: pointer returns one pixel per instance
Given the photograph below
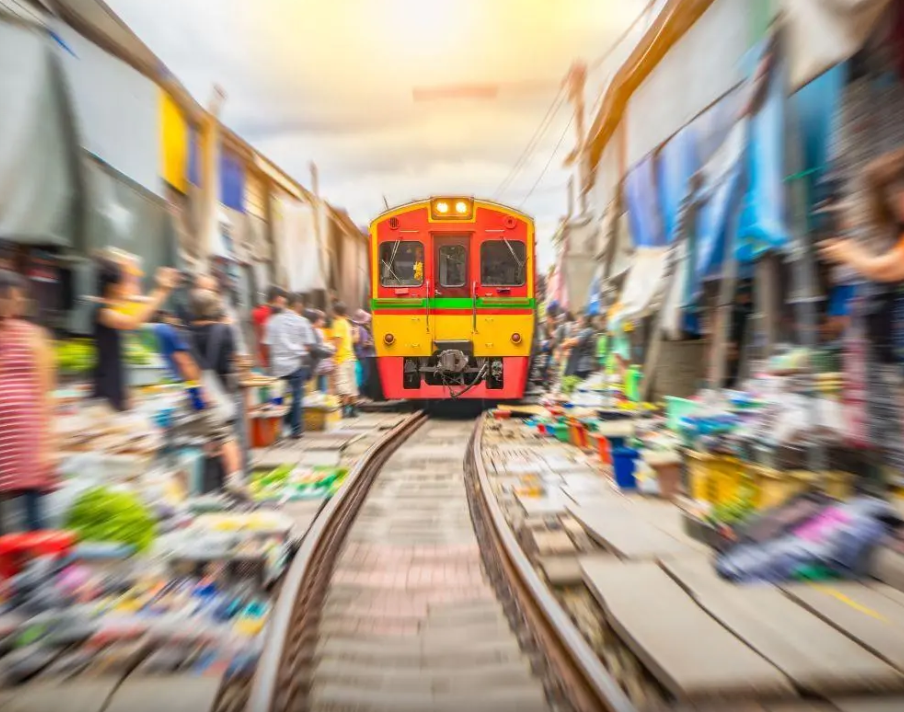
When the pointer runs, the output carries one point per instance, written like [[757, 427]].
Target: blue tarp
[[762, 222], [642, 202], [677, 163], [232, 181], [817, 106]]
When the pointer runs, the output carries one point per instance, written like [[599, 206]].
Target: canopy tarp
[[824, 33], [642, 283], [763, 224], [116, 107], [641, 199], [298, 254], [40, 186]]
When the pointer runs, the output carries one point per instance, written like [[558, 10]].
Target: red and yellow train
[[453, 299]]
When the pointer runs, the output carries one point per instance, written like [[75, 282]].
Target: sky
[[332, 81]]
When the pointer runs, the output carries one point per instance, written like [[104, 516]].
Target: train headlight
[[389, 339], [516, 338], [451, 208]]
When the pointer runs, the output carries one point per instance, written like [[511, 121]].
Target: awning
[[117, 109], [583, 239], [643, 283], [39, 174], [823, 33], [299, 265]]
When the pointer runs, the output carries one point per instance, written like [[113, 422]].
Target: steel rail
[[308, 575], [584, 679]]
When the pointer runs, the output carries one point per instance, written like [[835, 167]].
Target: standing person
[[345, 377], [214, 351], [112, 318], [27, 382], [366, 353], [582, 350], [276, 300], [326, 365], [175, 346], [220, 284], [548, 344], [291, 338]]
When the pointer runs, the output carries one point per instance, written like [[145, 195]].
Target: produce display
[[106, 515], [75, 357], [293, 483], [61, 617]]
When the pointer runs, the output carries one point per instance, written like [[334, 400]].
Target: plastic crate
[[714, 478]]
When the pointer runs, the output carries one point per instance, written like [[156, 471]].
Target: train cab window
[[453, 266], [402, 263], [503, 263]]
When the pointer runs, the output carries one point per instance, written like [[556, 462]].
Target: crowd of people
[[577, 347], [204, 347]]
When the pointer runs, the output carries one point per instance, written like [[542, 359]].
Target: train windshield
[[402, 263], [503, 263]]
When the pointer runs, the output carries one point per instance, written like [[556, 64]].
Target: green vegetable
[[75, 356], [569, 383], [103, 515]]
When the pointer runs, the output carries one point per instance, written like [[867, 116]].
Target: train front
[[453, 299]]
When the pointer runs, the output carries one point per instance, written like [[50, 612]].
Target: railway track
[[410, 593]]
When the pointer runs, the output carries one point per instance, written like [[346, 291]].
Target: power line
[[648, 8], [545, 123], [548, 162]]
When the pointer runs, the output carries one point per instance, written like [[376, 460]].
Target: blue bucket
[[623, 460]]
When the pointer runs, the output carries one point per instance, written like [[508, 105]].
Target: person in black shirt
[[110, 320]]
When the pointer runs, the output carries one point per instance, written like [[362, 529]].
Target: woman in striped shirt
[[26, 406]]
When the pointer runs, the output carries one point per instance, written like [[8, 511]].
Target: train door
[[452, 290]]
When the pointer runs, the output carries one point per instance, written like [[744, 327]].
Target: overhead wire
[[548, 162], [539, 132]]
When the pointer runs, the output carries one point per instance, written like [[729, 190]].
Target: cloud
[[333, 82]]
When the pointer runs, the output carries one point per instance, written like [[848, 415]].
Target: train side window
[[453, 266], [402, 263], [503, 263]]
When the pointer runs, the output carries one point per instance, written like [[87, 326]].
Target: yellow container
[[714, 478], [774, 487], [318, 419]]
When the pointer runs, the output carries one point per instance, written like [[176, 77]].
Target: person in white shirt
[[289, 338]]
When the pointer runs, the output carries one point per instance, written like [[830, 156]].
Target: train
[[453, 299]]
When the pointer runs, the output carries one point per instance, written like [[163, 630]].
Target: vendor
[[26, 404], [581, 349], [885, 177], [176, 348], [115, 314]]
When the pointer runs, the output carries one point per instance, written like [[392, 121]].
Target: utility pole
[[576, 82], [210, 182]]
